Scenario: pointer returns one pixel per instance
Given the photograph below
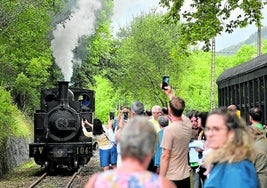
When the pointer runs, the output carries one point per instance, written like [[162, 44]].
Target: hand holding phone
[[165, 81], [111, 115], [125, 115]]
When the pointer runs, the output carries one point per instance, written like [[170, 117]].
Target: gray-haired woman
[[137, 142]]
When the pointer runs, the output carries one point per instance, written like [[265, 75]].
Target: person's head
[[193, 116], [138, 139], [202, 118], [97, 127], [148, 113], [163, 121], [137, 108], [156, 111], [165, 111], [177, 106], [255, 114], [232, 108], [227, 133]]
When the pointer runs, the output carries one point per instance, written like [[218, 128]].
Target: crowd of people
[[162, 147]]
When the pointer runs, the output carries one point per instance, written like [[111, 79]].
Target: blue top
[[158, 149], [233, 175]]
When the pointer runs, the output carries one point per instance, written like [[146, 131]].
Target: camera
[[125, 115], [84, 119], [165, 81], [111, 115]]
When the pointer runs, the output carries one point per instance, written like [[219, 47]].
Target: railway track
[[37, 178], [67, 179], [61, 179]]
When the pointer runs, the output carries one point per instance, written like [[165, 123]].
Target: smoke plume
[[66, 35]]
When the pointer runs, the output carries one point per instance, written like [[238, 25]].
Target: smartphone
[[125, 115], [111, 115], [165, 81]]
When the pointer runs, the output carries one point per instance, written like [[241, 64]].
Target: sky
[[126, 10]]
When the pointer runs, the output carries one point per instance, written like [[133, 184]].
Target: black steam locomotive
[[245, 85], [58, 138]]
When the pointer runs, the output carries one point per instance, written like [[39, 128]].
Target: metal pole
[[259, 41], [213, 77]]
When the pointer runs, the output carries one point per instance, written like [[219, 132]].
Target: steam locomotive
[[58, 137]]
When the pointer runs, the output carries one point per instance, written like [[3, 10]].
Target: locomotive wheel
[[50, 167]]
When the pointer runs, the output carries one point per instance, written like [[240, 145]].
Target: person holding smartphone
[[107, 149], [174, 157], [137, 109]]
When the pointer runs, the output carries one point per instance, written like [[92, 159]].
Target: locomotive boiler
[[58, 138]]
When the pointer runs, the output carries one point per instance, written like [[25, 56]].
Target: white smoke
[[66, 35]]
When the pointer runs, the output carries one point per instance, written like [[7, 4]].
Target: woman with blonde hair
[[233, 152]]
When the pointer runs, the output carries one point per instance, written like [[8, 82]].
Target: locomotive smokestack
[[63, 88]]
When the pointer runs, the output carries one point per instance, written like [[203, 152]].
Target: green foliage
[[12, 122], [25, 59], [122, 70], [194, 82], [264, 46], [106, 98], [143, 54], [203, 20]]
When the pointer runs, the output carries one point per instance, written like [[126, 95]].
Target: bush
[[12, 121]]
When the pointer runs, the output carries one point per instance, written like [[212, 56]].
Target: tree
[[144, 55], [204, 19], [25, 49]]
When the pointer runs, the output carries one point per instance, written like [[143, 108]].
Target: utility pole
[[259, 51], [213, 77], [259, 41]]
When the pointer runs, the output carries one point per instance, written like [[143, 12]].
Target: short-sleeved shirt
[[258, 125], [113, 178], [155, 124], [176, 138]]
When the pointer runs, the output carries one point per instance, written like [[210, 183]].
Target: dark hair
[[192, 113], [203, 116], [165, 110], [97, 127], [255, 113], [148, 113]]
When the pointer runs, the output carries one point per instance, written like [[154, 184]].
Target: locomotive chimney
[[63, 88]]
